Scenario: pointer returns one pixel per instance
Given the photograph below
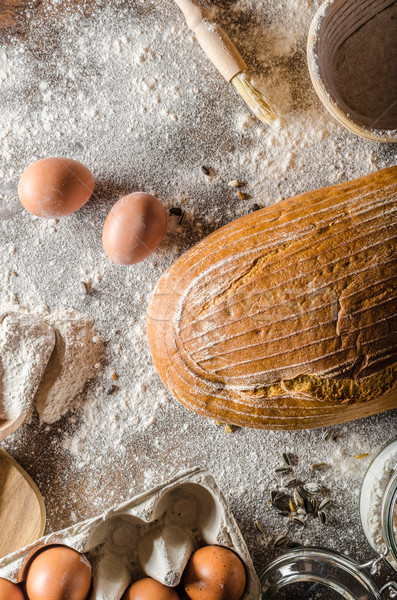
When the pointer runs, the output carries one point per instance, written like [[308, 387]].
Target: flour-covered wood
[[287, 318]]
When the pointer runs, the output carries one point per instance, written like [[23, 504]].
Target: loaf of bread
[[287, 318]]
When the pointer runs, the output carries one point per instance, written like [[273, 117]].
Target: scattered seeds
[[286, 459], [259, 526], [329, 434], [83, 288], [318, 466], [206, 170], [291, 505], [112, 390], [291, 482], [310, 505], [299, 521], [235, 183], [115, 376], [176, 210], [276, 495], [255, 207], [241, 195], [282, 503], [298, 498], [229, 428], [324, 503], [312, 488], [282, 540], [322, 515], [359, 456], [283, 469], [301, 511]]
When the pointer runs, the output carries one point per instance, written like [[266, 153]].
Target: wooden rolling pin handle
[[213, 39]]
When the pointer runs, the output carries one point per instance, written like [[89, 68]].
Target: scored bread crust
[[286, 318]]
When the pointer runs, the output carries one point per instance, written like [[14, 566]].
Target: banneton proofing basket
[[357, 40], [152, 534]]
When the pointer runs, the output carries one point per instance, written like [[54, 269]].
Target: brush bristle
[[254, 98]]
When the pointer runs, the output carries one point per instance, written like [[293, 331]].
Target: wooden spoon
[[22, 511]]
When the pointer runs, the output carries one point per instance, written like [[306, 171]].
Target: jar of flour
[[378, 502]]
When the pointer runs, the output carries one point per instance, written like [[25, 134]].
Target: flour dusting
[[124, 88]]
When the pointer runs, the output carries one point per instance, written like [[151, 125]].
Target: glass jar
[[311, 573], [378, 502]]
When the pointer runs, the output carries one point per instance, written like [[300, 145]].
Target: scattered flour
[[124, 88]]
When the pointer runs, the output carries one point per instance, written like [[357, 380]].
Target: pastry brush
[[222, 52]]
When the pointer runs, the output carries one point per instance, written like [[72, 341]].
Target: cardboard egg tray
[[152, 534]]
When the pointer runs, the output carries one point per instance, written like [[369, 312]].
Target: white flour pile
[[45, 361], [122, 87]]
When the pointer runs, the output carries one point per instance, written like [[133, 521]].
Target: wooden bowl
[[7, 427], [22, 511], [351, 51]]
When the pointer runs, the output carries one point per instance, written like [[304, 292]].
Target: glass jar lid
[[312, 573]]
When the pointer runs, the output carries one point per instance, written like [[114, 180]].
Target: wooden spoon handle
[[213, 39]]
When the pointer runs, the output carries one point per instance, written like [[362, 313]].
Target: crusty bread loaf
[[286, 318]]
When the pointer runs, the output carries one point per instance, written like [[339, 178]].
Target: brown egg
[[58, 573], [55, 187], [149, 589], [9, 590], [214, 573], [134, 228]]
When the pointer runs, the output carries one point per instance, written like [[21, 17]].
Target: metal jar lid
[[313, 573]]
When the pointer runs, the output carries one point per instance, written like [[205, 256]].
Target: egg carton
[[152, 534]]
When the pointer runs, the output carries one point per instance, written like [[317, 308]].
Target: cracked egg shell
[[214, 573], [149, 589], [58, 573], [55, 187], [134, 228], [9, 590]]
